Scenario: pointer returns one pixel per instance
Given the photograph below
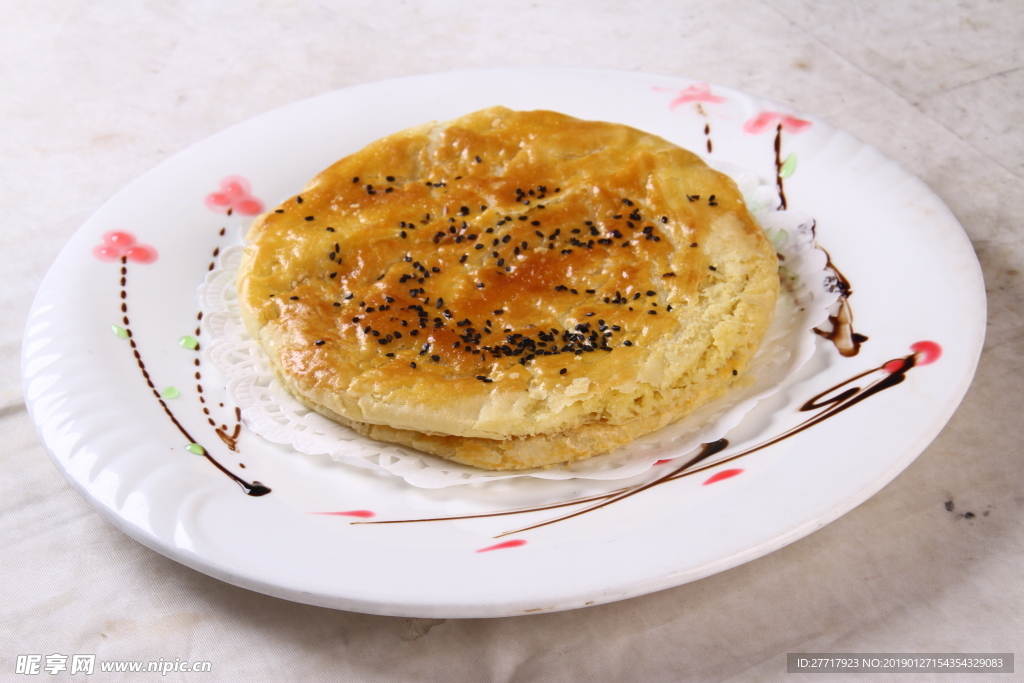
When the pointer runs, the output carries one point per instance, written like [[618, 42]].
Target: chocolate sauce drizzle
[[829, 403], [707, 126], [253, 488], [229, 439], [842, 334], [778, 165]]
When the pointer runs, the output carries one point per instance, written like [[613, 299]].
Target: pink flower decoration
[[700, 92], [928, 352], [366, 514], [765, 119], [720, 476], [514, 543], [925, 353], [234, 195], [117, 244]]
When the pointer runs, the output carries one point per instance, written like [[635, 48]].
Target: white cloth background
[[92, 94]]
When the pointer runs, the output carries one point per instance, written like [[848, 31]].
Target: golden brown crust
[[532, 277]]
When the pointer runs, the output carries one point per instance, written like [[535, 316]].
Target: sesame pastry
[[510, 289]]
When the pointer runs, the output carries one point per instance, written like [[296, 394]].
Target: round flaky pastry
[[510, 289]]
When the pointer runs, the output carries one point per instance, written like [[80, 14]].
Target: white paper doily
[[271, 412]]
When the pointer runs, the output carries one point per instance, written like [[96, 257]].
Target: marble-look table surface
[[96, 93]]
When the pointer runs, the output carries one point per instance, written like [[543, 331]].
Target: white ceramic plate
[[124, 447]]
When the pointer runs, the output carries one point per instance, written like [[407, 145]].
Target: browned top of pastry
[[505, 274]]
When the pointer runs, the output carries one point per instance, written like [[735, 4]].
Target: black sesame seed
[[628, 343], [712, 268], [435, 358], [693, 244], [319, 342], [479, 246], [294, 298], [412, 365], [309, 218]]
